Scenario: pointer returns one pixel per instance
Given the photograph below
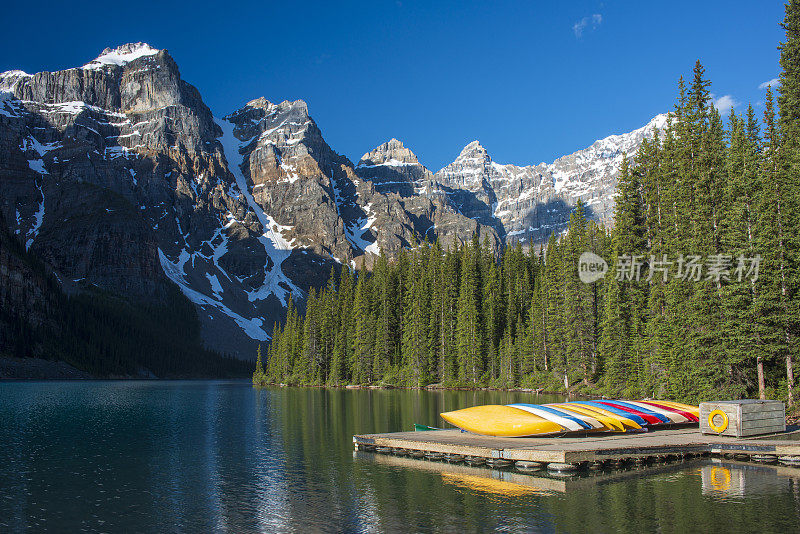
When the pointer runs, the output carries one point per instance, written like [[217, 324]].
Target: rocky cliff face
[[430, 212], [117, 176], [525, 203], [113, 174], [529, 203], [391, 167]]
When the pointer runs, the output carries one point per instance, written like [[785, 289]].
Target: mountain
[[534, 201], [116, 176], [522, 203], [525, 203], [391, 167], [45, 333], [113, 175]]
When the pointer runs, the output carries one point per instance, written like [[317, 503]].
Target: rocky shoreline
[[38, 369]]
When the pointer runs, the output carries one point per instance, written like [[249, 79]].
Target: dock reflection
[[730, 478], [511, 483]]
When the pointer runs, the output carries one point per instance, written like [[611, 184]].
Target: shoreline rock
[[37, 369]]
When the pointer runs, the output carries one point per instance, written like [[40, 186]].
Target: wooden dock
[[563, 452]]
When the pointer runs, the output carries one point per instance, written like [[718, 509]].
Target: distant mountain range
[[117, 176]]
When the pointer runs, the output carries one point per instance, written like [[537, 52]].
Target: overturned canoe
[[520, 420]]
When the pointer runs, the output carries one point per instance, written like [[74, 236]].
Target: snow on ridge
[[472, 145], [354, 233], [390, 163], [354, 230], [16, 73], [74, 107], [601, 156], [275, 245], [121, 55], [659, 121], [39, 217], [174, 271], [371, 217], [216, 287], [9, 80]]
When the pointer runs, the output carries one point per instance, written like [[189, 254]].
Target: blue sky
[[531, 80]]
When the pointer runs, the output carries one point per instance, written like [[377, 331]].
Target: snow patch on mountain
[[528, 202], [275, 245], [37, 222], [8, 82], [357, 229], [175, 272], [573, 174], [390, 163], [121, 55]]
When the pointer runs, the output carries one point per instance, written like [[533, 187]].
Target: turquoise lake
[[220, 456]]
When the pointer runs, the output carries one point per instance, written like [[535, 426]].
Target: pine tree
[[448, 312], [469, 336], [434, 285], [771, 307], [787, 178], [258, 375], [553, 302], [578, 312], [493, 310], [415, 323], [740, 344], [363, 340], [534, 347], [623, 328]]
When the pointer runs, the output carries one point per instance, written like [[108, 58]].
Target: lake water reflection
[[220, 456]]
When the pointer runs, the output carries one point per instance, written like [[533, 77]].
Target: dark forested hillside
[[700, 300], [97, 331]]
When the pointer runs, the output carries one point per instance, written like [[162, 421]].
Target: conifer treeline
[[460, 317], [718, 190]]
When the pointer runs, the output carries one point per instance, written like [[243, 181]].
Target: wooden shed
[[740, 418]]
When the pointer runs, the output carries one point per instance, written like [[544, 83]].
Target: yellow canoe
[[497, 420]]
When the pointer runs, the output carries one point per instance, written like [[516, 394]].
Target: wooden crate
[[745, 417]]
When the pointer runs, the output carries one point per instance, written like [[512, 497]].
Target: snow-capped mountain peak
[[391, 153], [468, 170], [11, 78], [121, 55], [472, 150], [529, 202], [574, 174], [630, 141]]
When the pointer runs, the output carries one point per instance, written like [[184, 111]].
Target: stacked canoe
[[521, 420]]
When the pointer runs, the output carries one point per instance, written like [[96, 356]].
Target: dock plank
[[586, 448]]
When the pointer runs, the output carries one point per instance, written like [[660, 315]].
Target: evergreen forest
[[707, 210]]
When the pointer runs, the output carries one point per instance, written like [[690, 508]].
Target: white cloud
[[590, 21], [774, 82], [724, 103]]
